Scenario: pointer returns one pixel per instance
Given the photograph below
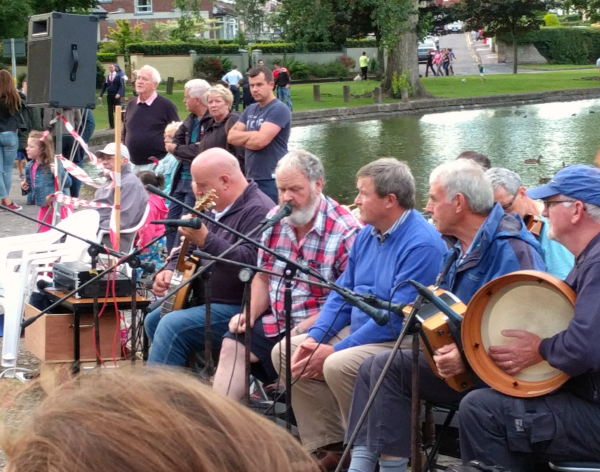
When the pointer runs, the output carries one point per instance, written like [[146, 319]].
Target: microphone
[[379, 317], [395, 308], [285, 210], [437, 301], [194, 223]]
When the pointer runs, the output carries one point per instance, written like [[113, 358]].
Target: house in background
[[144, 12]]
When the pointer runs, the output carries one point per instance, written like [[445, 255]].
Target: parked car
[[424, 49], [455, 27], [438, 31]]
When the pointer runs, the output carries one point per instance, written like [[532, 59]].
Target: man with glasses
[[516, 432], [240, 205], [511, 194], [133, 194]]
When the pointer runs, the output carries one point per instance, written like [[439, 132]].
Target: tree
[[124, 34], [190, 23], [69, 6], [13, 18], [252, 13], [501, 17]]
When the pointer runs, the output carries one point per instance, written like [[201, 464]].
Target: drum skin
[[527, 300]]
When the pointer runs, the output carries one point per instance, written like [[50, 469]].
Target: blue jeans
[[9, 144], [283, 94], [269, 188], [185, 194], [177, 333]]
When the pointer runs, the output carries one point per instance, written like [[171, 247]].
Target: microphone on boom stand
[[194, 223]]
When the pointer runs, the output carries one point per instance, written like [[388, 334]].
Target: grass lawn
[[448, 87], [556, 66], [454, 87]]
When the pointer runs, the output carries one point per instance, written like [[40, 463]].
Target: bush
[[227, 64], [373, 65], [209, 68], [562, 45], [347, 62], [108, 46], [181, 48], [361, 43], [317, 70], [106, 57], [550, 19], [297, 69], [336, 69]]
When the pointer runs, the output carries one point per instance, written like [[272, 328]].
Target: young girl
[[158, 211], [39, 177], [168, 164]]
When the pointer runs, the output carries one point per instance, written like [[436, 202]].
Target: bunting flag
[[77, 172], [77, 202]]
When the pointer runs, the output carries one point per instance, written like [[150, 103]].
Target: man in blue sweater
[[489, 243], [563, 426], [397, 244]]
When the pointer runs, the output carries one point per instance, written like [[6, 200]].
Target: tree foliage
[[252, 13], [499, 17], [190, 23], [69, 6], [124, 34], [13, 18]]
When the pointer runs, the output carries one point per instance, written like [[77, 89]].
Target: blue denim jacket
[[44, 183]]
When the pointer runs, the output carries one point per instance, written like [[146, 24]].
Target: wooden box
[[50, 338]]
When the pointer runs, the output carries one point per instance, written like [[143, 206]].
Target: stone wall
[[526, 54]]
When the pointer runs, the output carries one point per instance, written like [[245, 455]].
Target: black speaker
[[61, 61]]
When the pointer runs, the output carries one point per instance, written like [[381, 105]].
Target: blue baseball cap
[[581, 182]]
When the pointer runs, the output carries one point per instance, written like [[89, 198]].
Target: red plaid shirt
[[325, 247]]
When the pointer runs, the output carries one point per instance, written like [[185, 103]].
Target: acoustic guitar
[[185, 266]]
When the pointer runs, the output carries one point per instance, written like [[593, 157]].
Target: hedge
[[106, 57], [173, 48], [563, 45], [361, 43]]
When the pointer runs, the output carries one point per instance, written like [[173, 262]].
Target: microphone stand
[[95, 249]]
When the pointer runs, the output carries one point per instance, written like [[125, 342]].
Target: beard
[[302, 216]]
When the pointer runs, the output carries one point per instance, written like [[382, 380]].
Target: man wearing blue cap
[[516, 432]]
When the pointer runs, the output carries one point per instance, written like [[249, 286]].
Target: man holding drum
[[489, 244], [515, 432]]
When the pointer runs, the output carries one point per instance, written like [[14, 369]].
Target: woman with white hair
[[219, 100]]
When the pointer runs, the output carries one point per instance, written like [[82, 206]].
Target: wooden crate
[[50, 338]]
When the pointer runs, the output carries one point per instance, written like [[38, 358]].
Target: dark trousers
[[387, 429], [363, 72], [183, 192], [112, 102], [516, 432], [235, 90], [429, 66]]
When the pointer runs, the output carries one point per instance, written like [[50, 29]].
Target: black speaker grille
[[39, 64]]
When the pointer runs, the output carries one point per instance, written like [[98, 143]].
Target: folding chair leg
[[431, 457]]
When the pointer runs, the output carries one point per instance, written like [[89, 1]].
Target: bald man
[[239, 205]]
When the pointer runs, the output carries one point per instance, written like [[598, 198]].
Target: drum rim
[[472, 340]]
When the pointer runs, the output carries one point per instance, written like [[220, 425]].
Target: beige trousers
[[322, 407]]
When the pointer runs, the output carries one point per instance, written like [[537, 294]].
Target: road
[[468, 52]]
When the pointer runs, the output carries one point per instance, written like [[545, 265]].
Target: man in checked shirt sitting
[[319, 232]]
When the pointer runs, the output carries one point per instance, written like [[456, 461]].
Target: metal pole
[[14, 60], [57, 151]]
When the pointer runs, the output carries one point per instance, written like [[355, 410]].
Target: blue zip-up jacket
[[505, 246], [412, 251], [44, 183]]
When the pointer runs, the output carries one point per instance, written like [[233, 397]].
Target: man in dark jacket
[[185, 148], [515, 432], [114, 86], [239, 205], [489, 244]]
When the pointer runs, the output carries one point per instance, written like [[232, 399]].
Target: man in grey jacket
[[133, 195]]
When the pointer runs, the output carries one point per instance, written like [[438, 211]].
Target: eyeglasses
[[549, 203], [508, 206]]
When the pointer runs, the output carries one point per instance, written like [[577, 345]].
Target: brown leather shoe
[[329, 460]]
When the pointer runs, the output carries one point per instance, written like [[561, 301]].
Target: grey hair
[[501, 177], [155, 73], [219, 91], [390, 176], [590, 209], [307, 163], [197, 88], [468, 178]]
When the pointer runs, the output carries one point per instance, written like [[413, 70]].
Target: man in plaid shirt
[[320, 233]]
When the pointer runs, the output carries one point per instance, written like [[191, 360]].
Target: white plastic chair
[[38, 255]]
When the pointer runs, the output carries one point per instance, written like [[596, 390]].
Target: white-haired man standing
[[185, 147], [146, 118]]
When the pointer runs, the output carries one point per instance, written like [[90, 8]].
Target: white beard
[[302, 216]]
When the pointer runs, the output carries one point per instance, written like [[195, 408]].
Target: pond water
[[560, 132]]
